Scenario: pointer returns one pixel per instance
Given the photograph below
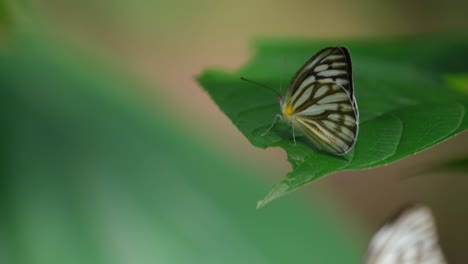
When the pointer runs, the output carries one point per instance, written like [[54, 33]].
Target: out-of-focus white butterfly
[[320, 101], [410, 238]]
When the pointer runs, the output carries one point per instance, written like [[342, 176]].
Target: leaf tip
[[276, 192], [260, 204]]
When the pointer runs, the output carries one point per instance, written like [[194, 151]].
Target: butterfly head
[[281, 99], [286, 108]]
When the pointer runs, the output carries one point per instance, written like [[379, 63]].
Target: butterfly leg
[[275, 120], [294, 135]]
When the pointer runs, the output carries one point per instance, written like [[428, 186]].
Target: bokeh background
[[112, 153]]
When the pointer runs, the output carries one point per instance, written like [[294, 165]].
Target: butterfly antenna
[[261, 85], [282, 73]]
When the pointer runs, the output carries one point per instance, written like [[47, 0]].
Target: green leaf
[[404, 103]]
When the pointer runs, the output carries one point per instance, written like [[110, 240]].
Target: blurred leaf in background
[[458, 82], [90, 173], [4, 19], [456, 165], [404, 104]]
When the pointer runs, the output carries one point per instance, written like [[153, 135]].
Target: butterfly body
[[320, 101]]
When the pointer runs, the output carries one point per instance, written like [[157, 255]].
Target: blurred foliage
[[91, 173], [457, 165], [458, 81], [3, 14], [405, 106]]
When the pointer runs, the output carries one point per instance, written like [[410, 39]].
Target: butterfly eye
[[281, 100]]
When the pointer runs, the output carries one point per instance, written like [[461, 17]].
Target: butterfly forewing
[[325, 114], [410, 238], [330, 64]]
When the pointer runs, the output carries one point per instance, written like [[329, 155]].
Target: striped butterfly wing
[[320, 98], [331, 64], [325, 114], [410, 238]]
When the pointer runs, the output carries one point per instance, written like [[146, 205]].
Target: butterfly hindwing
[[326, 115], [410, 238]]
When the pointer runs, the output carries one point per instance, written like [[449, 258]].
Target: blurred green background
[[111, 153]]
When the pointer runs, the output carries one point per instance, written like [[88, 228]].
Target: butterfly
[[320, 102], [411, 237]]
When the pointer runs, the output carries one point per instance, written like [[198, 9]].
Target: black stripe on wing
[[327, 117], [329, 64]]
